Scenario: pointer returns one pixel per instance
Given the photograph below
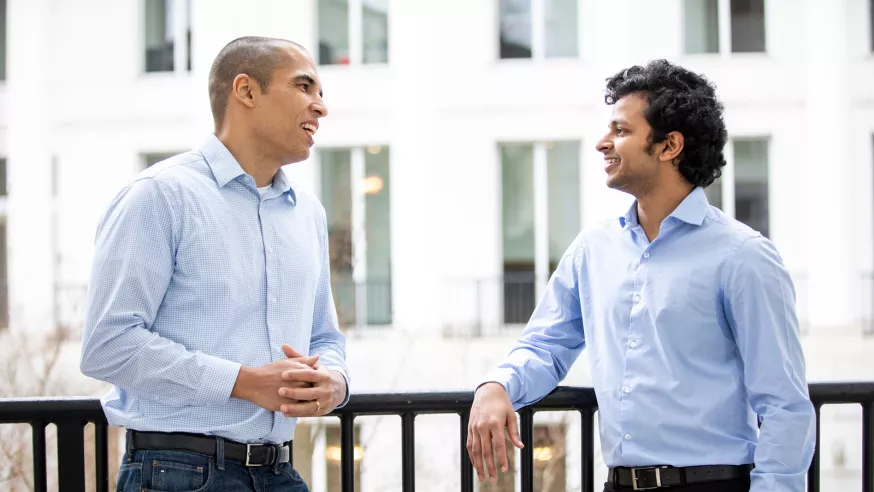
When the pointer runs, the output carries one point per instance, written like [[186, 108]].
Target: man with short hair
[[688, 316], [210, 306]]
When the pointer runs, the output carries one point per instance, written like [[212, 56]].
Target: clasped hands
[[297, 386]]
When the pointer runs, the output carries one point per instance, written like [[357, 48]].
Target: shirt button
[[627, 437], [270, 250], [633, 343], [627, 389], [636, 298], [646, 255], [272, 299]]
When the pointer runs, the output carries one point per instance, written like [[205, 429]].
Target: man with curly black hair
[[689, 316]]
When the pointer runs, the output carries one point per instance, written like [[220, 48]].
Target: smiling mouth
[[309, 128], [610, 163]]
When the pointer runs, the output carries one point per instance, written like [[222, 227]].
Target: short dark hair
[[254, 56], [682, 101]]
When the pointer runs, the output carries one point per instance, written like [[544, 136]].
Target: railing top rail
[[61, 409]]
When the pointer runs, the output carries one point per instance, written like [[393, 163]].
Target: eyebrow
[[308, 79], [617, 122]]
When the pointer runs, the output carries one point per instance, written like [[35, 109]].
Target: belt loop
[[220, 453], [129, 444], [276, 458]]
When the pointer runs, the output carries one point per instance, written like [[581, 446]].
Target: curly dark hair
[[682, 101]]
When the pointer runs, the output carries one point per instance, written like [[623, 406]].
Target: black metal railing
[[71, 414]]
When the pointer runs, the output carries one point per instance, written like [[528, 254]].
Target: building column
[[30, 222], [833, 283]]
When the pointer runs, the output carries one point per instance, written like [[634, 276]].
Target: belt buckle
[[658, 477], [270, 459]]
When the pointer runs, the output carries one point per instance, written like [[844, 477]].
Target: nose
[[604, 145], [320, 108]]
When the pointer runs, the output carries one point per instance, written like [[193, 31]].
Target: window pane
[[3, 177], [751, 183], [561, 28], [2, 39], [515, 27], [702, 26], [335, 167], [377, 231], [333, 457], [4, 283], [375, 30], [159, 36], [517, 213], [150, 159], [333, 32], [714, 193], [747, 26], [563, 190], [550, 453]]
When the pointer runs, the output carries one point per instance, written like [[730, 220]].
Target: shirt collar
[[691, 210], [225, 168]]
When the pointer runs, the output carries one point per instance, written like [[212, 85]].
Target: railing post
[[813, 471], [347, 453], [587, 438], [71, 456], [868, 447], [527, 431], [39, 456], [408, 448], [101, 456], [466, 465]]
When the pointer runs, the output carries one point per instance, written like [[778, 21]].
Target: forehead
[[631, 108]]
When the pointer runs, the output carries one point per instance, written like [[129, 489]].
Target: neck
[[251, 158], [654, 207]]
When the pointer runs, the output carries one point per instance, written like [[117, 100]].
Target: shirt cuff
[[217, 383], [506, 378], [345, 378]]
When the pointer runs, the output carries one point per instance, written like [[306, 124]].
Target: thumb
[[290, 352], [309, 360], [513, 429]]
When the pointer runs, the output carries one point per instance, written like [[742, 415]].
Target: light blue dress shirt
[[691, 338], [194, 275]]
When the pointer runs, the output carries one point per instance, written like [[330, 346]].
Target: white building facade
[[456, 165]]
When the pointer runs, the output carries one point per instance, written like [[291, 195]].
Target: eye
[[620, 131], [305, 86]]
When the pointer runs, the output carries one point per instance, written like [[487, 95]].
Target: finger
[[302, 409], [485, 438], [291, 353], [513, 427], [476, 456], [305, 394], [500, 450], [307, 375]]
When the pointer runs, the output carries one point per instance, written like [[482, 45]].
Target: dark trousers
[[737, 485]]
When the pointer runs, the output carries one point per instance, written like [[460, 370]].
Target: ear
[[673, 147], [244, 90]]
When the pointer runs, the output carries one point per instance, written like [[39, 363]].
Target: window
[[724, 26], [871, 22], [538, 28], [742, 191], [353, 31], [540, 211], [4, 283], [356, 194], [167, 35], [2, 39], [149, 159]]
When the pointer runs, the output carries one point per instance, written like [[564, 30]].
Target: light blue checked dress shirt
[[195, 274], [690, 338]]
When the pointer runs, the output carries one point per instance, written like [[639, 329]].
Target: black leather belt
[[247, 454], [656, 477]]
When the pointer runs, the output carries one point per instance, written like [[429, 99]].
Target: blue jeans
[[181, 471]]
